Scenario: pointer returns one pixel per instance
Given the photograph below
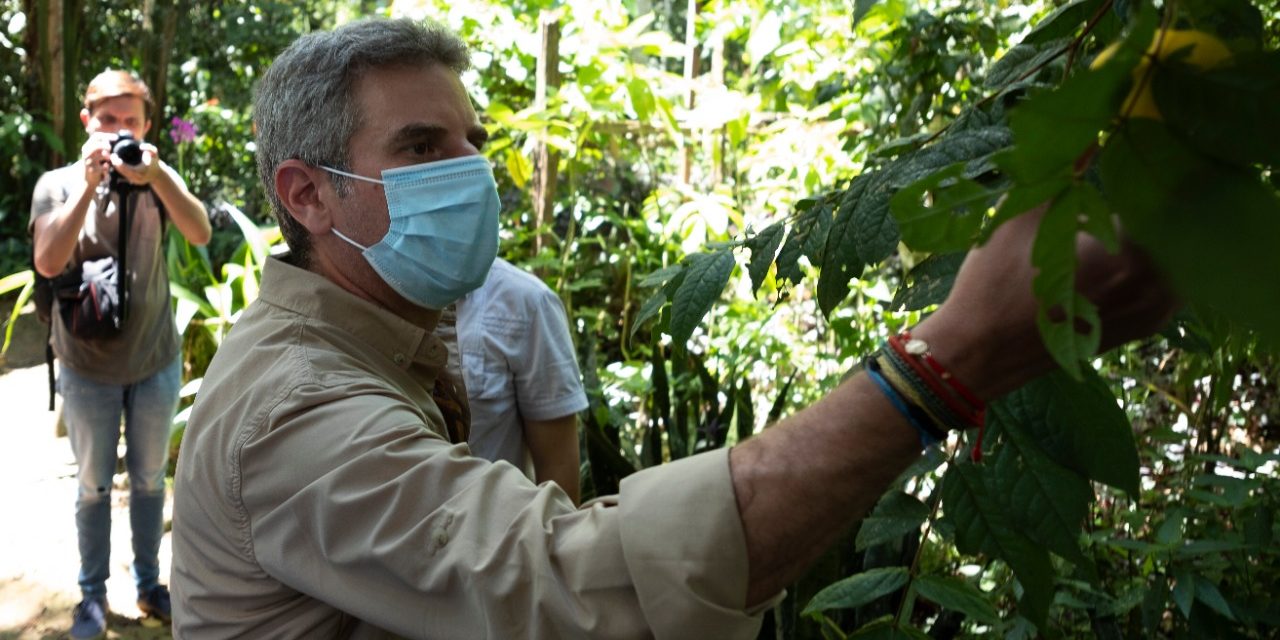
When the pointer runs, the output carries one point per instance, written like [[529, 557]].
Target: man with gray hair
[[323, 493]]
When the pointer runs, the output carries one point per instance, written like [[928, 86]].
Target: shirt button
[[399, 358]]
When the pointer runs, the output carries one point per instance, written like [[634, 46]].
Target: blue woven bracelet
[[926, 440]]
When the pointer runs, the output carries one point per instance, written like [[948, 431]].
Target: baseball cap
[[112, 83]]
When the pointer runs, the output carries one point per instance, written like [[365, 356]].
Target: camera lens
[[127, 148]]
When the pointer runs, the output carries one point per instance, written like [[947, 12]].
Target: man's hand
[[96, 157], [142, 173], [986, 330]]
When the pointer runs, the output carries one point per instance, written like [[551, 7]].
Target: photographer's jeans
[[92, 411]]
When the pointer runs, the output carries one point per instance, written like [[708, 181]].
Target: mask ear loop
[[357, 177], [349, 240], [351, 175]]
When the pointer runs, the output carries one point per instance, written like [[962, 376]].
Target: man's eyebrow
[[417, 131]]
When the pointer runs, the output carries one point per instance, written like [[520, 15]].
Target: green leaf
[[807, 237], [182, 293], [1064, 22], [1228, 113], [1201, 547], [896, 515], [1188, 211], [1054, 256], [764, 247], [982, 526], [1184, 591], [642, 100], [1208, 593], [957, 595], [888, 629], [16, 281], [519, 167], [1044, 499], [1170, 530], [858, 589], [860, 9], [1237, 22], [1023, 60], [1079, 425], [706, 275], [661, 276], [865, 232], [929, 282], [1055, 128], [249, 230], [648, 310], [952, 219]]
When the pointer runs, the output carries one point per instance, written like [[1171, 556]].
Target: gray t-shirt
[[150, 338]]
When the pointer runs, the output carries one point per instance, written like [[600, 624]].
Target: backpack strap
[[48, 361]]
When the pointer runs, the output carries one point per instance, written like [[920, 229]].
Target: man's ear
[[84, 117], [299, 186]]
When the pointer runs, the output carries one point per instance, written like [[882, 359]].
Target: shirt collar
[[311, 295]]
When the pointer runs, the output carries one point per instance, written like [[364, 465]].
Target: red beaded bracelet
[[912, 350]]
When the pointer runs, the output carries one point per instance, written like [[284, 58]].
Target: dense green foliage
[[730, 237]]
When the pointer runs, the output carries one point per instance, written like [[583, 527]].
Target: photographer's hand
[[142, 173], [185, 210], [95, 154]]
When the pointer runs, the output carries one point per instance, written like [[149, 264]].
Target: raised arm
[[800, 484]]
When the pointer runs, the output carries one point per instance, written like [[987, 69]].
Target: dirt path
[[38, 558]]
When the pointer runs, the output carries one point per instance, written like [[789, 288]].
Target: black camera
[[128, 148]]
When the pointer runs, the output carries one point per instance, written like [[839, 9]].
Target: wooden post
[[692, 53], [546, 160]]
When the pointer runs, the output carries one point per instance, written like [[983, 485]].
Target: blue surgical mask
[[444, 229]]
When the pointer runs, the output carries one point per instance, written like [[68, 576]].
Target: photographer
[[133, 371]]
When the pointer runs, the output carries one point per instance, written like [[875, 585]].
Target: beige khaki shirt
[[316, 497]]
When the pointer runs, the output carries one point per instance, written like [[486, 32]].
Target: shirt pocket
[[485, 375]]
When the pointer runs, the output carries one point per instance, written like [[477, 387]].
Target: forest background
[[738, 200]]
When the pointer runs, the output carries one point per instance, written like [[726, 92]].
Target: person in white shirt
[[512, 349]]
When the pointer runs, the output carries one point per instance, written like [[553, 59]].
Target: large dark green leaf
[[1228, 113], [951, 218], [896, 514], [1211, 226], [1064, 22], [1054, 256], [929, 282], [957, 595], [705, 277], [764, 247], [1024, 59], [670, 278], [1079, 425], [860, 9], [982, 526], [858, 589], [841, 260], [865, 232], [1046, 500], [807, 236], [1054, 129], [1238, 22]]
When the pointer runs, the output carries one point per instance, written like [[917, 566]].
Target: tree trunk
[[160, 30], [545, 160]]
